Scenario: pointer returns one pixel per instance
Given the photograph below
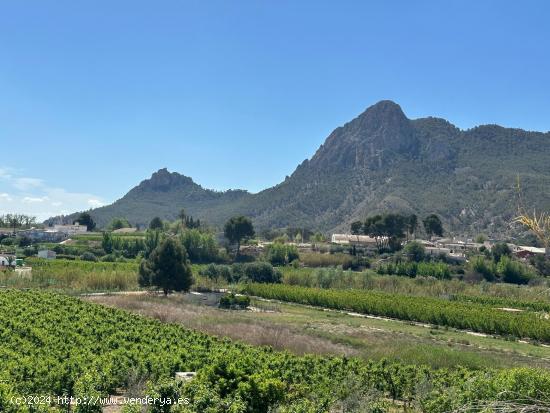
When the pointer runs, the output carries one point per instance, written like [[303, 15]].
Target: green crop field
[[53, 344], [458, 314]]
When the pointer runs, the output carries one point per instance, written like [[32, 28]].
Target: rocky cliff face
[[370, 141], [379, 161]]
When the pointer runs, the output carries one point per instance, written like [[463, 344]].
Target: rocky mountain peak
[[164, 180], [385, 111], [370, 140]]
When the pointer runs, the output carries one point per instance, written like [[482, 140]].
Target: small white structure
[[7, 261], [185, 375], [350, 239], [458, 246], [437, 251], [76, 228], [48, 254]]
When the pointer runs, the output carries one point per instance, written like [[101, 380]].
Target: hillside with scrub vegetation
[[379, 161]]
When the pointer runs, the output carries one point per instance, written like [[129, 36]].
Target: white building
[[350, 239], [76, 228], [459, 246], [522, 251]]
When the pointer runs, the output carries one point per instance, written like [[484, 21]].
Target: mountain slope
[[379, 161]]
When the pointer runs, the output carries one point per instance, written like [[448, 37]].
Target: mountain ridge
[[378, 161]]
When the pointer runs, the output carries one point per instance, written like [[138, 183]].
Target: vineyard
[[469, 315], [57, 345], [505, 302]]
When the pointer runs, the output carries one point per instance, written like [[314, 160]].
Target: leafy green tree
[[318, 237], [486, 268], [356, 227], [387, 229], [119, 223], [394, 225], [166, 268], [481, 238], [412, 224], [156, 224], [513, 271], [415, 251], [433, 226], [107, 243], [15, 221], [258, 272], [153, 238], [182, 215], [299, 233], [499, 250], [200, 246], [86, 219], [187, 221], [237, 229], [374, 228], [281, 254], [88, 256]]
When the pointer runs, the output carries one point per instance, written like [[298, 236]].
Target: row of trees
[[463, 315], [15, 221], [389, 229], [166, 263]]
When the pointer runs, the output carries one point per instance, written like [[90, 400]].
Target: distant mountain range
[[380, 161]]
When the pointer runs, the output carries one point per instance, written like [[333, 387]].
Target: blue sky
[[97, 95]]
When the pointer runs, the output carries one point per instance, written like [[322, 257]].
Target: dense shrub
[[415, 251], [201, 247], [114, 257], [499, 250], [234, 301], [66, 257], [129, 247], [513, 271], [217, 272], [24, 241], [486, 268], [242, 258], [30, 251], [281, 254], [8, 241], [505, 270], [412, 269], [88, 256], [261, 272], [542, 264]]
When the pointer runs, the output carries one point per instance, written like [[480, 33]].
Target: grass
[[312, 259], [302, 329]]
